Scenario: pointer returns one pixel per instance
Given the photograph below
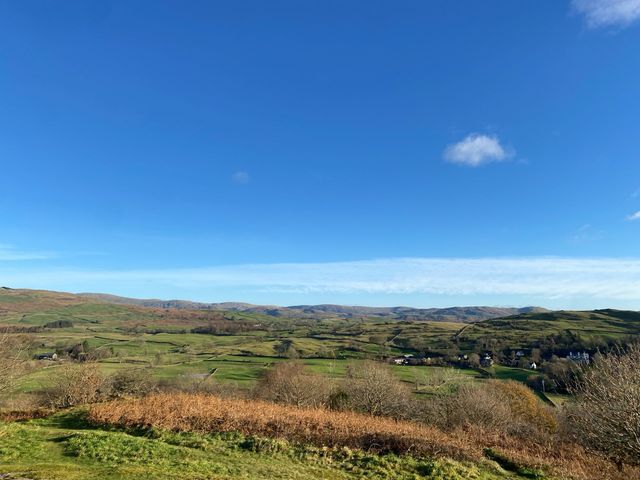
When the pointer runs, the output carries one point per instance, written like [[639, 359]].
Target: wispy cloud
[[608, 13], [240, 177], [475, 150], [634, 216], [586, 233], [538, 278], [10, 253]]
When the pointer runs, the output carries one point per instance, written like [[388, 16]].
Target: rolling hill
[[451, 314]]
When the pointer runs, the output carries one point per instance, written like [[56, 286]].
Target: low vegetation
[[65, 446], [321, 398], [204, 414], [207, 413], [13, 350], [605, 417]]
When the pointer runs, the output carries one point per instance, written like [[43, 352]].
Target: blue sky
[[363, 152]]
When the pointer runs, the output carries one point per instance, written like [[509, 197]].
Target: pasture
[[235, 348]]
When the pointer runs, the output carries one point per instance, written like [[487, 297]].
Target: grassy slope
[[56, 448], [242, 358], [521, 330], [63, 447]]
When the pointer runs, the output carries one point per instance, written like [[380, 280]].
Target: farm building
[[486, 361], [579, 357], [47, 356]]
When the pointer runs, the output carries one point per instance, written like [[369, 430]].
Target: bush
[[292, 384], [77, 384], [605, 418], [134, 382], [320, 427], [471, 404], [12, 360], [352, 432], [371, 388], [59, 324], [526, 408], [506, 407]]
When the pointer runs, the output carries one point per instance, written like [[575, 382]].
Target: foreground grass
[[65, 447], [529, 456]]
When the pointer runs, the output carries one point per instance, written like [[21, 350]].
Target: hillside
[[527, 330], [450, 314], [230, 351], [67, 447], [239, 345]]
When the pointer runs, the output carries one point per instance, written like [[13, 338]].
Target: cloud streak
[[608, 13], [535, 277], [240, 177], [8, 253], [634, 216], [475, 150]]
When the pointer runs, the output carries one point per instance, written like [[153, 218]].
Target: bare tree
[[435, 378], [371, 387], [13, 363], [605, 418], [290, 383], [471, 404], [134, 382], [77, 384], [474, 360]]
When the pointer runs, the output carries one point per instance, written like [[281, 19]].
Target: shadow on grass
[[511, 466], [75, 419]]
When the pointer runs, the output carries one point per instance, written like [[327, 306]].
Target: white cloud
[[608, 13], [536, 278], [240, 177], [634, 216], [9, 253], [475, 150]]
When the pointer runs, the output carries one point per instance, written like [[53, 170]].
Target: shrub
[[507, 407], [371, 388], [526, 408], [291, 383], [76, 384], [59, 324], [208, 413], [12, 360], [132, 382], [470, 405], [605, 418]]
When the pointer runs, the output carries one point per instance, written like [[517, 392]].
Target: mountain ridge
[[467, 314]]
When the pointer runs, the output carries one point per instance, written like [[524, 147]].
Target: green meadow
[[163, 340]]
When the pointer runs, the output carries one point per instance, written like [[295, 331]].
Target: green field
[[63, 447], [232, 350], [161, 340]]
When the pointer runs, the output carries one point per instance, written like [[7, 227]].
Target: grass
[[523, 331], [124, 334], [206, 413], [335, 430], [65, 447]]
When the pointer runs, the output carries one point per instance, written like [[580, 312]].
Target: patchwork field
[[237, 347], [225, 352]]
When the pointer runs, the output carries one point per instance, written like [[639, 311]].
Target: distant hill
[[179, 304], [450, 314], [592, 327], [442, 330]]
